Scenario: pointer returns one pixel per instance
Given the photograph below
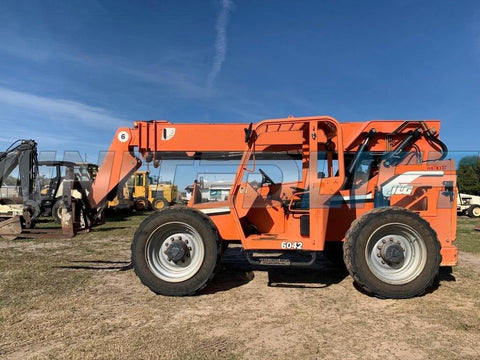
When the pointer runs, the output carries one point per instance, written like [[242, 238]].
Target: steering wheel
[[265, 177]]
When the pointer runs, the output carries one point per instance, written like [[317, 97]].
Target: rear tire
[[392, 253], [474, 211], [141, 204], [175, 252]]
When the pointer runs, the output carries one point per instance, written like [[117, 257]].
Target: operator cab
[[286, 180]]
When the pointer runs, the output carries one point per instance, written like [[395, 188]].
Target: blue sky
[[71, 72]]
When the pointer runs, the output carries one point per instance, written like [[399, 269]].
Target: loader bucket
[[11, 228]]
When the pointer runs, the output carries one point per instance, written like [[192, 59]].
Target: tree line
[[468, 175]]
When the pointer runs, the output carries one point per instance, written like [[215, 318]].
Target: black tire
[[374, 257], [160, 204], [474, 211], [192, 233], [141, 204], [57, 211]]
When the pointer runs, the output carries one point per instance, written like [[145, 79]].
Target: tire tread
[[174, 211], [356, 228]]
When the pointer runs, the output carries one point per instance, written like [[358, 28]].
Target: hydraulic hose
[[438, 142]]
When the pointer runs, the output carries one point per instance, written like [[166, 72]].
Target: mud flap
[[11, 228]]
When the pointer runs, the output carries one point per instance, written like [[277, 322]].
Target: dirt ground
[[78, 299]]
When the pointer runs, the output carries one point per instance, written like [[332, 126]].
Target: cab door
[[326, 175], [285, 214]]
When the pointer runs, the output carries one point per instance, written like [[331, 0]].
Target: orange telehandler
[[383, 189]]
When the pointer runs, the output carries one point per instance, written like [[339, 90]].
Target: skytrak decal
[[400, 182]]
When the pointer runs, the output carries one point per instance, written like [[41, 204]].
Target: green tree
[[468, 175]]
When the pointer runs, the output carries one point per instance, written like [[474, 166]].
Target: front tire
[[175, 251], [474, 211], [392, 252], [57, 211], [160, 204]]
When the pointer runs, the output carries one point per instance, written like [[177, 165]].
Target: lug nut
[[179, 238], [186, 241], [190, 248], [383, 262], [391, 239], [378, 255], [379, 247], [384, 241]]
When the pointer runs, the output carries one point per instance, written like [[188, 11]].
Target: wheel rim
[[159, 205], [476, 211], [396, 253], [174, 252]]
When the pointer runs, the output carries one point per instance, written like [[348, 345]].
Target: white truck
[[210, 192], [468, 205]]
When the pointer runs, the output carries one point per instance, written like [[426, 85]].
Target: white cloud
[[63, 110], [162, 72], [220, 42], [175, 80]]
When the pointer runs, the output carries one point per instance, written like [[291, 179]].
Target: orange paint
[[263, 217]]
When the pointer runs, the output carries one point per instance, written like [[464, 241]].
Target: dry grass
[[468, 239], [72, 299]]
